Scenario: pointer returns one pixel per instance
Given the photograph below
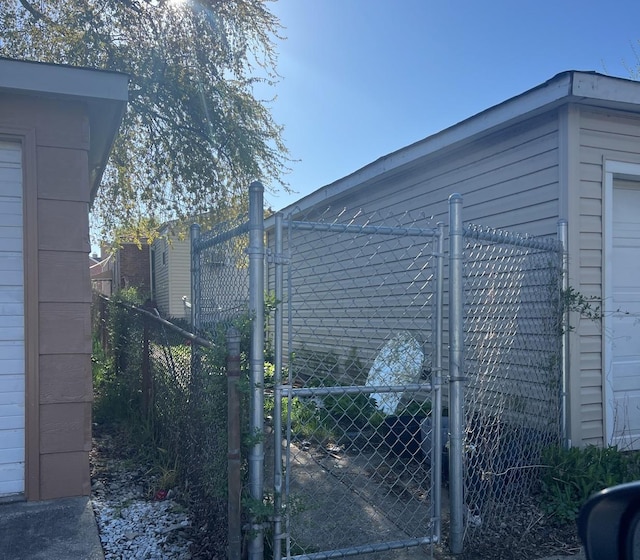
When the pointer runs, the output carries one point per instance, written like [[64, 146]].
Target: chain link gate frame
[[345, 476], [242, 243]]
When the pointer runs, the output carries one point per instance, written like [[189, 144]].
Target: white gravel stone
[[133, 527]]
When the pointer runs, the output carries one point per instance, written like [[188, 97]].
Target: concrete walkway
[[62, 529]]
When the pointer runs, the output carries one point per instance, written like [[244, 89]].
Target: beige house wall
[[55, 139], [603, 135]]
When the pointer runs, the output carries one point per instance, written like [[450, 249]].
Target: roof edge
[[567, 86]]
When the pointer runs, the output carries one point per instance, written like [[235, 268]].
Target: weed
[[570, 476]]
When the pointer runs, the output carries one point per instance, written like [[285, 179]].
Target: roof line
[[562, 88]]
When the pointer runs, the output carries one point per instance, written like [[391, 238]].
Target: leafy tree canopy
[[194, 135]]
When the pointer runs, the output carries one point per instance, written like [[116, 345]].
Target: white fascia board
[[60, 80], [607, 89], [105, 94]]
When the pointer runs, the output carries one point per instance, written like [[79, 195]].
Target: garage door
[[624, 323], [12, 377]]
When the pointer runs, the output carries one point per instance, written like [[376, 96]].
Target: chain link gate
[[357, 395]]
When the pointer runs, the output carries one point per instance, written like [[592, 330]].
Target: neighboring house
[[567, 149], [129, 266], [171, 273], [57, 126], [101, 273]]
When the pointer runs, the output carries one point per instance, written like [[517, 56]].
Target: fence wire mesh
[[220, 269], [512, 361], [183, 412], [356, 397]]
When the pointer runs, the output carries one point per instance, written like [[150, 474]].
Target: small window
[[164, 257]]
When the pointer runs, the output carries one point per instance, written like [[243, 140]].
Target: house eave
[[105, 94], [588, 88]]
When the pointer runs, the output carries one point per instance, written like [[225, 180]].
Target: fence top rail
[[484, 233], [193, 337], [363, 229], [205, 242]]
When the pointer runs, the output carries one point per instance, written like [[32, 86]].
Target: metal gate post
[[456, 375], [195, 277], [563, 236], [277, 405], [436, 381], [196, 296], [256, 360]]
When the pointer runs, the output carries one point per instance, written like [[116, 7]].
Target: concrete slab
[[51, 530]]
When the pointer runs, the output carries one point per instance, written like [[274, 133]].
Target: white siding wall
[[603, 135]]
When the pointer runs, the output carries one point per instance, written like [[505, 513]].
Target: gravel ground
[[136, 518], [139, 520]]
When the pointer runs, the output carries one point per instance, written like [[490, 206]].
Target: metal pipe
[[256, 361], [277, 405], [193, 337], [234, 478], [196, 304], [563, 236], [436, 382], [456, 375], [362, 229], [363, 549], [356, 389]]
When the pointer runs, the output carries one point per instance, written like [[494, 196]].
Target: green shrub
[[570, 476]]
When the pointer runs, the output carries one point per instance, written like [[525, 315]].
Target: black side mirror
[[609, 523]]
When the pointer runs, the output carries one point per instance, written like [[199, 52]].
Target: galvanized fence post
[[436, 381], [456, 374], [233, 445], [196, 292], [277, 405], [563, 233], [256, 359], [195, 277]]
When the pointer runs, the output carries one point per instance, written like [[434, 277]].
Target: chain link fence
[[181, 413], [354, 410], [512, 349]]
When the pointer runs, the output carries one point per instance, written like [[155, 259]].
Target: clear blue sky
[[363, 78]]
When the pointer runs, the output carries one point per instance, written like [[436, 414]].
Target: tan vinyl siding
[[172, 275], [509, 179], [161, 280], [603, 135], [504, 179], [179, 277]]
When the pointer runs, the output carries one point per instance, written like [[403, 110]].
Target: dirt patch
[[352, 499]]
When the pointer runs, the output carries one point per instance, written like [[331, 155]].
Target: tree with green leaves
[[194, 135]]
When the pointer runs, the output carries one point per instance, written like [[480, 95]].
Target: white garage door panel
[[624, 326], [14, 418], [11, 309], [12, 455], [12, 383], [12, 368], [9, 243], [11, 478]]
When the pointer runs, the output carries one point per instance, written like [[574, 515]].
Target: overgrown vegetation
[[174, 416], [570, 476]]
